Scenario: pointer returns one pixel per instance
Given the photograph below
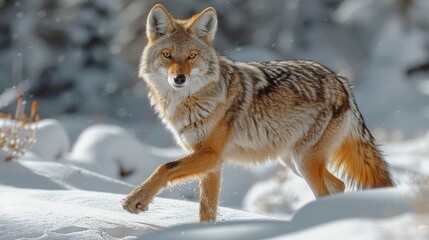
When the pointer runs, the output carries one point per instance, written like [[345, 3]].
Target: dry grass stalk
[[18, 132]]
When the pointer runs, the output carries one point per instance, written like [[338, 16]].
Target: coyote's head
[[180, 54]]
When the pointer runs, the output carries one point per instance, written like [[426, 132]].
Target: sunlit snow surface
[[76, 196], [76, 214]]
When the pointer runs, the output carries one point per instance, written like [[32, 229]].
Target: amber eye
[[192, 55], [166, 54]]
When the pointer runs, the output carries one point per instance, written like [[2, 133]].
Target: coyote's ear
[[204, 25], [159, 22]]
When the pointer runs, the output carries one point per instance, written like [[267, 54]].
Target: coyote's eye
[[166, 54], [192, 55]]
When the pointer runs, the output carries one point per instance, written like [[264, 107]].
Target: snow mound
[[106, 148], [278, 196], [53, 142], [323, 217]]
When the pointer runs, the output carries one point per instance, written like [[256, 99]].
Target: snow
[[58, 198], [358, 215], [66, 214], [407, 226], [77, 196], [47, 149], [279, 196]]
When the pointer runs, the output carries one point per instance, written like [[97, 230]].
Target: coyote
[[299, 112]]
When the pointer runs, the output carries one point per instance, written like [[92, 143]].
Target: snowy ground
[[60, 190], [82, 214]]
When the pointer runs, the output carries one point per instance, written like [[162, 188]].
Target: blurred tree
[[287, 29], [22, 54], [66, 51], [50, 29], [86, 74], [5, 25]]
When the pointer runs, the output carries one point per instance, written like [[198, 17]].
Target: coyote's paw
[[136, 202]]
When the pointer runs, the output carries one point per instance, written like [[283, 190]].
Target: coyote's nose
[[179, 79]]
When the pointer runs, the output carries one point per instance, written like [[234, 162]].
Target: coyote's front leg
[[196, 164], [139, 199], [203, 161]]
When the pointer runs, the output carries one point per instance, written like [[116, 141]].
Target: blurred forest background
[[79, 58]]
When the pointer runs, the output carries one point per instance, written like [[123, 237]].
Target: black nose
[[179, 79]]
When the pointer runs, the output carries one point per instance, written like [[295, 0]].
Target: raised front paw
[[136, 202]]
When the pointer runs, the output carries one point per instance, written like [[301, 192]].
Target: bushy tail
[[358, 158]]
